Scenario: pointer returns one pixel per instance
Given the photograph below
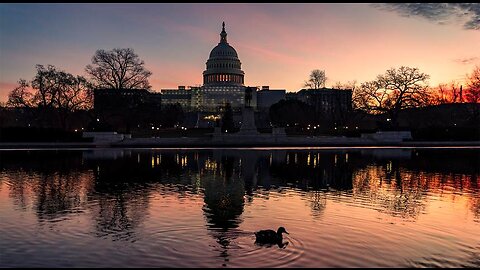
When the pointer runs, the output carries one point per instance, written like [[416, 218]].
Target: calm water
[[200, 207]]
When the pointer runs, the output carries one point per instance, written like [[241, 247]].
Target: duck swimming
[[270, 236]]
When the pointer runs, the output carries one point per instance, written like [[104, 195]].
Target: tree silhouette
[[393, 91], [118, 69], [444, 94], [21, 96], [317, 79], [53, 89], [473, 86]]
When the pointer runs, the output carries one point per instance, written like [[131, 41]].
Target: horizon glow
[[278, 44]]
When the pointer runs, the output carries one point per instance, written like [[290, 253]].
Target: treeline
[[53, 96]]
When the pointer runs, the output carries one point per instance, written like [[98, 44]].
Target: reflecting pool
[[352, 207]]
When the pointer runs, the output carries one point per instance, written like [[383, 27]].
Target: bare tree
[[59, 89], [47, 83], [53, 89], [317, 79], [20, 96], [350, 85], [444, 94], [472, 93], [397, 89], [118, 69]]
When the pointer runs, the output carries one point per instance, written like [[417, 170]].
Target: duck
[[270, 236]]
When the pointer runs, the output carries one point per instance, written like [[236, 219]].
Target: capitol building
[[223, 82]]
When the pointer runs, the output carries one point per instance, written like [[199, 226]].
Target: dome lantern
[[223, 34]]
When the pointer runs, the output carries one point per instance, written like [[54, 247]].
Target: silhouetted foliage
[[54, 92], [20, 96], [444, 94], [118, 69], [397, 89], [473, 86], [317, 79], [52, 88], [343, 86]]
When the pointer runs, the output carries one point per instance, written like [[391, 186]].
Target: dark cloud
[[441, 13], [467, 61]]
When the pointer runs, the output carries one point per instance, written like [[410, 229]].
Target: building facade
[[267, 97], [223, 78], [327, 100], [223, 82], [223, 66], [182, 95], [123, 109], [125, 99]]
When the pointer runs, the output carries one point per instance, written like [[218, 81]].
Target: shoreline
[[195, 143]]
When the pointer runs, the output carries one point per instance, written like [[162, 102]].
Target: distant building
[[326, 100], [223, 82], [182, 96], [124, 109], [267, 97], [223, 78], [125, 99]]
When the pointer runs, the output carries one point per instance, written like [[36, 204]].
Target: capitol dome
[[223, 65]]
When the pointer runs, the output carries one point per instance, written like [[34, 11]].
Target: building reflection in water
[[116, 185], [224, 191]]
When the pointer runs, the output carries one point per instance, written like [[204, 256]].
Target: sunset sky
[[278, 44]]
